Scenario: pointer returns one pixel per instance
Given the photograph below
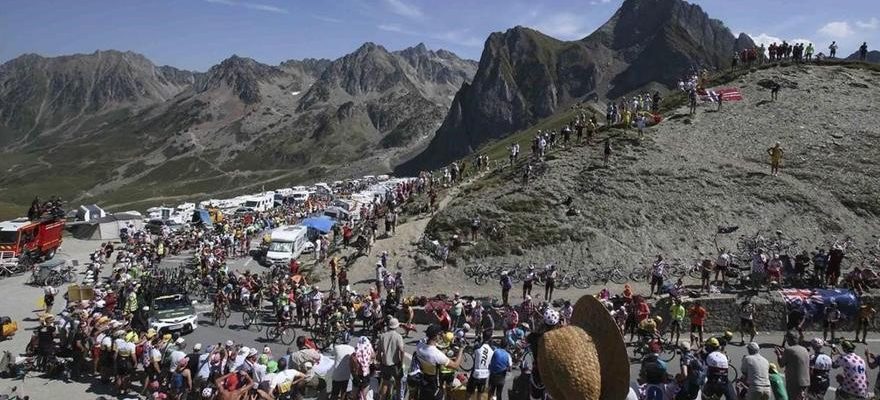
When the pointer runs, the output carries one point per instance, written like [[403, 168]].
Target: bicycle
[[218, 316], [284, 332], [326, 335], [250, 317]]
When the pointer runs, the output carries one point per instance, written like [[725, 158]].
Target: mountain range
[[112, 126]]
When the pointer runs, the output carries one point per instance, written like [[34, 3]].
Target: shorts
[[338, 388], [830, 324], [793, 325], [389, 372], [476, 385], [721, 268], [360, 382], [447, 378], [705, 273], [746, 323], [657, 280], [123, 369], [675, 326], [696, 328]]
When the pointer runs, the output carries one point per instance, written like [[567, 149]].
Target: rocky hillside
[[873, 56], [39, 95], [114, 128], [667, 193], [524, 75]]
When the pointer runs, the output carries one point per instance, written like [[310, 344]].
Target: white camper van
[[287, 243]]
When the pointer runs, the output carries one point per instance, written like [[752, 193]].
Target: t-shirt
[[677, 311], [391, 343], [501, 362], [284, 379], [855, 378], [698, 316], [429, 358], [126, 349], [757, 370], [482, 357], [342, 362], [796, 361], [747, 312]]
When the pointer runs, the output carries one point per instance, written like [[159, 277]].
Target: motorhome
[[287, 243], [160, 212], [299, 197], [261, 202]]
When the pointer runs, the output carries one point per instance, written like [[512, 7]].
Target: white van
[[287, 243]]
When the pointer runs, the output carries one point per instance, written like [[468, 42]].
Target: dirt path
[[401, 248]]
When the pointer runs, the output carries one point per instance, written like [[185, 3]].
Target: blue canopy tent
[[321, 224]]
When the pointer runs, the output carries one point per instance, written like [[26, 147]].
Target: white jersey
[[482, 357]]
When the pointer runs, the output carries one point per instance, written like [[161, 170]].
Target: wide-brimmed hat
[[393, 323], [612, 371]]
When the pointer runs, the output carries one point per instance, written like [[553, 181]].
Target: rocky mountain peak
[[240, 74]]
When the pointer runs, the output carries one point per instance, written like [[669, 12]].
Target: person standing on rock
[[550, 282], [775, 154], [527, 282], [506, 284], [747, 321], [698, 316], [863, 51], [657, 269], [832, 50], [774, 91], [607, 152]]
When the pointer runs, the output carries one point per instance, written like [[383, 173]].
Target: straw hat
[[600, 368]]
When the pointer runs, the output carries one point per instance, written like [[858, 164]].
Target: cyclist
[[693, 373], [653, 373], [820, 370], [648, 330], [723, 340], [717, 384], [220, 302]]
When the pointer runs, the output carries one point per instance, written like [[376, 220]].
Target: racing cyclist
[[717, 383]]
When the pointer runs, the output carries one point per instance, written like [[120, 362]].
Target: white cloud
[[327, 19], [837, 29], [407, 10], [802, 40], [765, 39], [252, 6], [872, 23], [563, 25], [394, 28]]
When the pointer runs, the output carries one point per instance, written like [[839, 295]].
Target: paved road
[[20, 303]]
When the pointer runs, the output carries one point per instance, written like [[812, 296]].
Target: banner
[[728, 94], [814, 302]]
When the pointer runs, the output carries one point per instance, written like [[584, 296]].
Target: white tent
[[107, 228]]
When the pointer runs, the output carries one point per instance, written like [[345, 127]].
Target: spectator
[[499, 366], [756, 373], [796, 361]]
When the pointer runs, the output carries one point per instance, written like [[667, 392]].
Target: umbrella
[[322, 224]]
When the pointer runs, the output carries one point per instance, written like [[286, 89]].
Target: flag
[[814, 302], [728, 94]]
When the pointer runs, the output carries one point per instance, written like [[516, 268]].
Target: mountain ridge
[[524, 75]]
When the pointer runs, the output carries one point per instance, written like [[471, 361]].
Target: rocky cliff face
[[873, 56], [524, 76]]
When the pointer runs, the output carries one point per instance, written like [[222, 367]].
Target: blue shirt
[[500, 362]]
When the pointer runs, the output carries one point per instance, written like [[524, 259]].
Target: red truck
[[41, 237]]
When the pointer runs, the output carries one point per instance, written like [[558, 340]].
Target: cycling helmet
[[448, 336], [466, 327], [717, 360], [712, 342], [525, 325], [817, 342], [551, 317], [207, 392], [286, 308], [728, 335], [822, 363], [658, 319]]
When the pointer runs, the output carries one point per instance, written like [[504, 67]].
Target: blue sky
[[196, 34]]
